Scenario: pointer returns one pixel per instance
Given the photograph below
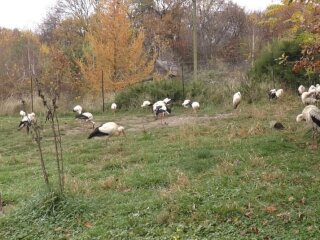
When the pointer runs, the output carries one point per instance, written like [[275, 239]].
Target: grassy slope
[[226, 179]]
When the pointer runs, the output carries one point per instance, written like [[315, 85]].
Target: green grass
[[232, 178]]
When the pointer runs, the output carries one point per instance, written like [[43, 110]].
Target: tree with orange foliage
[[115, 48], [298, 19]]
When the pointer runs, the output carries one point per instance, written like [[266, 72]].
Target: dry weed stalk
[[52, 118], [36, 129]]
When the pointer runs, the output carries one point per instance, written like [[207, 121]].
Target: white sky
[[23, 14], [28, 14], [251, 5]]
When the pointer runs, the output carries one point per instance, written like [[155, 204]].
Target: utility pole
[[195, 52]]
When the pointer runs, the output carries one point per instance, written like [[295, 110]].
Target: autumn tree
[[63, 35], [116, 48], [18, 61], [298, 19], [309, 25]]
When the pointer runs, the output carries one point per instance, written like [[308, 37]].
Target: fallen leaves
[[88, 224], [270, 209]]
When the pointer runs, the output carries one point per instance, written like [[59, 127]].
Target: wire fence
[[210, 71]]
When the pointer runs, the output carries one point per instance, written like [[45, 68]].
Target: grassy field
[[232, 177]]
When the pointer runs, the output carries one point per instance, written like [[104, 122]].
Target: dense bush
[[271, 59], [153, 91], [202, 91]]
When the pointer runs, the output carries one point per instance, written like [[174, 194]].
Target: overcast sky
[[27, 14]]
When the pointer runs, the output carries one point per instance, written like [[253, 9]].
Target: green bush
[[270, 59], [157, 90], [202, 91], [153, 91], [254, 91]]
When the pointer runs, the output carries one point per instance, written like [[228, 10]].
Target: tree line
[[79, 40]]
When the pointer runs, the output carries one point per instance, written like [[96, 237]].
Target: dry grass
[[109, 182], [163, 217], [271, 176], [75, 185], [256, 161], [181, 181], [13, 105], [224, 168]]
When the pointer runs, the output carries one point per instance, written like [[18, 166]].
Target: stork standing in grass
[[188, 103], [107, 129], [272, 94], [236, 99], [301, 89], [86, 116], [114, 108], [27, 120], [311, 114], [160, 108], [161, 111], [275, 94]]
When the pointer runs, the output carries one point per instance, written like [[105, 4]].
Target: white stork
[[86, 116], [275, 93], [27, 120], [272, 94], [188, 103], [107, 129], [311, 114], [309, 97], [236, 99], [160, 108], [301, 89], [114, 108]]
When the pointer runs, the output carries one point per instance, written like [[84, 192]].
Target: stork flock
[[311, 113], [161, 108]]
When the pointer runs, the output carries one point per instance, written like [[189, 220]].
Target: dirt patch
[[71, 130], [133, 124], [139, 124]]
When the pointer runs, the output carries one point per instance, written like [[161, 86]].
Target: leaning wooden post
[[182, 79], [102, 90], [31, 93]]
